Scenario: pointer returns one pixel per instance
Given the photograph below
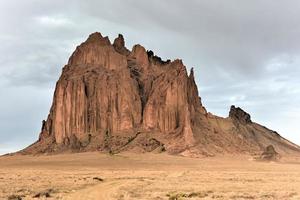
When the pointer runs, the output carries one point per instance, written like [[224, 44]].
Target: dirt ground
[[146, 176]]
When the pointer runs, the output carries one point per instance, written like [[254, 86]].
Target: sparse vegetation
[[14, 197], [45, 193], [146, 176], [179, 196], [244, 196], [98, 179]]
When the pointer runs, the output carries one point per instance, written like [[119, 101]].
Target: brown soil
[[147, 176]]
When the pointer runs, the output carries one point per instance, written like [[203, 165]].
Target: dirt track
[[147, 176]]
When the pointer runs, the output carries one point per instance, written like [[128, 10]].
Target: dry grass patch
[[179, 196]]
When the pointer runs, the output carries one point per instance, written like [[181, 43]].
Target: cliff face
[[111, 99]]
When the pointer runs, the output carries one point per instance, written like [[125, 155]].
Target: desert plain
[[127, 175]]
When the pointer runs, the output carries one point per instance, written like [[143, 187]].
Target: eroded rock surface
[[269, 154], [239, 115], [111, 99]]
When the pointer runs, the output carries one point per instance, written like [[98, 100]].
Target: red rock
[[140, 56], [119, 45], [111, 99]]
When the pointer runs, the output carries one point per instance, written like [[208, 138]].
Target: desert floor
[[146, 176]]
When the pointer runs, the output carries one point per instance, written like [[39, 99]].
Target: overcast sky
[[245, 53]]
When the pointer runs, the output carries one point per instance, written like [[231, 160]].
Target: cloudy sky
[[245, 53]]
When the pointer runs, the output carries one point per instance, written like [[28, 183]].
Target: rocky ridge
[[111, 99]]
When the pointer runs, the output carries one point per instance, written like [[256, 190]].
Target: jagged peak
[[140, 54], [236, 113], [178, 61], [97, 38], [119, 41], [192, 76], [95, 35], [156, 59], [119, 45], [97, 50], [138, 47]]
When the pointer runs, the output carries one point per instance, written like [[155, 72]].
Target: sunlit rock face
[[109, 98]]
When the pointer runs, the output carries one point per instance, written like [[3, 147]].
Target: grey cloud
[[244, 52], [241, 36]]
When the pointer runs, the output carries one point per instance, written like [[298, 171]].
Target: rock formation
[[239, 115], [111, 99], [269, 154]]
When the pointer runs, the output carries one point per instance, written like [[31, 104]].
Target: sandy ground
[[146, 176]]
